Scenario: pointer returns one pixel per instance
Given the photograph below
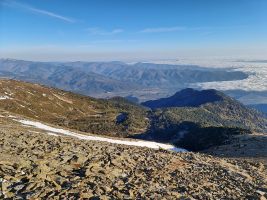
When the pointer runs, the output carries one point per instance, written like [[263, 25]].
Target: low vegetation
[[72, 110], [121, 118]]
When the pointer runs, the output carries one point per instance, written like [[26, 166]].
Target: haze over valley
[[243, 80]]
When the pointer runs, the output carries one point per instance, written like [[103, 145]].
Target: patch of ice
[[139, 143]]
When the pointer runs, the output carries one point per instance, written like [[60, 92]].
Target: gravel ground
[[35, 165]]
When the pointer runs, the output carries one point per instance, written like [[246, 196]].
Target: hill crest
[[187, 98]]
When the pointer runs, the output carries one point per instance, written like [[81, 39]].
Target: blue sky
[[132, 29]]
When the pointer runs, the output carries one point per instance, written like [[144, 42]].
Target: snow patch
[[53, 134], [4, 97], [12, 116], [139, 143]]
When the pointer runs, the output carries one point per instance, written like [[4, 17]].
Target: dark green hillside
[[206, 108], [222, 116], [187, 97]]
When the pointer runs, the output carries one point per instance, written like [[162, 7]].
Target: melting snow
[[139, 143]]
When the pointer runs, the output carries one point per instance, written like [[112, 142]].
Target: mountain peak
[[187, 97]]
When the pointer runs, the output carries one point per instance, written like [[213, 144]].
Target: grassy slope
[[72, 110], [100, 116]]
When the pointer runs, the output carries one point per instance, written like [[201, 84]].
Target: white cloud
[[181, 28], [98, 31], [37, 10], [163, 29]]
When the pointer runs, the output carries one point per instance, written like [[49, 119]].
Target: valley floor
[[37, 165]]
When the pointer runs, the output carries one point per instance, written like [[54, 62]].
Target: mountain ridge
[[117, 78], [120, 118], [188, 97], [221, 117]]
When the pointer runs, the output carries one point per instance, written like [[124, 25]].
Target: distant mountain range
[[138, 82], [158, 75], [99, 78], [60, 76]]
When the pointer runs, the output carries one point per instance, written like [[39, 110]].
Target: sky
[[60, 30]]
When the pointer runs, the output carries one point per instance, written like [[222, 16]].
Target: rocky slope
[[35, 165]]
